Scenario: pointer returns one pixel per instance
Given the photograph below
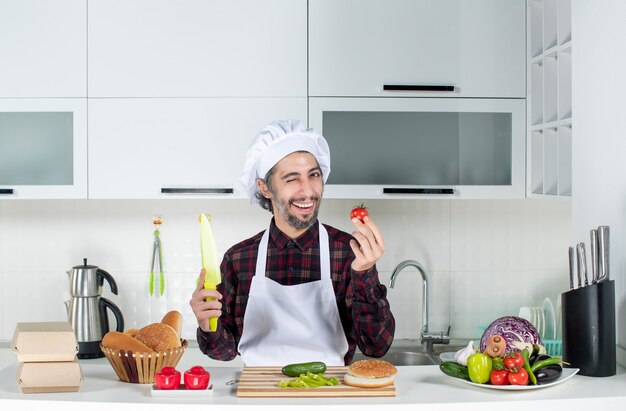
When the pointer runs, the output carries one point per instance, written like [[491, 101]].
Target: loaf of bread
[[116, 340], [158, 336], [175, 320]]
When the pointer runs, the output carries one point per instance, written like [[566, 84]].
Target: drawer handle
[[6, 191], [445, 191], [417, 87], [210, 190]]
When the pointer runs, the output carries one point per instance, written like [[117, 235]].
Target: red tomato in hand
[[197, 378], [514, 362], [168, 378], [518, 378], [499, 377], [359, 212]]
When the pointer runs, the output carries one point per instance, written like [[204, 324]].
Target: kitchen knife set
[[579, 276]]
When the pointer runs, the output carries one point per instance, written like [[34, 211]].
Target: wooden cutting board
[[261, 382]]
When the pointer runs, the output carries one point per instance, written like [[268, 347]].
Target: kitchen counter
[[418, 387]]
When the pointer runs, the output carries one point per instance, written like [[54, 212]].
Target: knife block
[[588, 315]]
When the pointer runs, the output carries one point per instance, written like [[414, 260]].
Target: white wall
[[485, 258], [599, 135]]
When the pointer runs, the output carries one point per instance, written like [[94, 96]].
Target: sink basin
[[404, 358]]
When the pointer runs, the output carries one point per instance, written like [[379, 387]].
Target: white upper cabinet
[[197, 48], [43, 48], [477, 48], [173, 148], [43, 148]]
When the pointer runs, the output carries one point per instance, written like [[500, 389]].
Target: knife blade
[[582, 264], [572, 267], [603, 253], [594, 256]]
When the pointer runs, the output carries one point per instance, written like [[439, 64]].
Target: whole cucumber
[[453, 369], [294, 370]]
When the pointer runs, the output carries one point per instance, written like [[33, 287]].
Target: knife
[[582, 264], [594, 256], [571, 267], [209, 260], [603, 253]]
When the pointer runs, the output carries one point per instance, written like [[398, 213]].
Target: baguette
[[175, 320], [116, 340]]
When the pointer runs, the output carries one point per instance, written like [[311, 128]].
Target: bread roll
[[159, 337], [175, 320], [131, 332], [370, 374], [116, 340]]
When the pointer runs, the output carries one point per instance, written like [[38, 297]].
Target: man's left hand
[[368, 245]]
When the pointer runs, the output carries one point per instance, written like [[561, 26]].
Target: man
[[299, 291]]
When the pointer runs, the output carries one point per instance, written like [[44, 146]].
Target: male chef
[[300, 290]]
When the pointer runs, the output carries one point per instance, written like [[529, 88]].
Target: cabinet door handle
[[206, 190], [6, 191], [445, 191], [417, 87]]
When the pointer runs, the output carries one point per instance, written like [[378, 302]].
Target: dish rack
[[554, 348]]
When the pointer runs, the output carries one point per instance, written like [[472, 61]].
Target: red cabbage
[[514, 330]]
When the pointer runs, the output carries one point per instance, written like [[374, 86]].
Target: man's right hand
[[203, 309]]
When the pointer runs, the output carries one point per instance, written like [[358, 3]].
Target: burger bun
[[370, 374]]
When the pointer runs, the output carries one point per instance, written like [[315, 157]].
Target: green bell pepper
[[479, 367]]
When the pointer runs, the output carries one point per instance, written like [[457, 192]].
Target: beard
[[283, 209]]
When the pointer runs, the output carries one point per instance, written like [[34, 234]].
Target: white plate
[[550, 317], [558, 317], [566, 375], [181, 392]]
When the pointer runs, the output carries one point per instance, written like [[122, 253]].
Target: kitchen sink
[[408, 352], [404, 358]]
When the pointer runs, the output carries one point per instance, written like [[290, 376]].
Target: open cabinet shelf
[[549, 139]]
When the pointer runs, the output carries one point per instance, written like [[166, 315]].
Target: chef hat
[[275, 141]]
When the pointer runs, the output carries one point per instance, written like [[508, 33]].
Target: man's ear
[[265, 192]]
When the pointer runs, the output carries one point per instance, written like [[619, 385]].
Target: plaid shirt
[[361, 299]]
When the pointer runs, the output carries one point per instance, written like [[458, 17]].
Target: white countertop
[[418, 387]]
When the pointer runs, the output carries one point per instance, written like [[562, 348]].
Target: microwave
[[423, 147]]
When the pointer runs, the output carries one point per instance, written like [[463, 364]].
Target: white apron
[[292, 324]]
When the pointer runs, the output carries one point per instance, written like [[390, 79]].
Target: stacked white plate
[[536, 316], [550, 320]]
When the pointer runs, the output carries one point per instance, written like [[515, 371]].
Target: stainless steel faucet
[[427, 338]]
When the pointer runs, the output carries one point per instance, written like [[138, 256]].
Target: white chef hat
[[275, 141]]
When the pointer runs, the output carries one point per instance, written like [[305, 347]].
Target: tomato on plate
[[518, 378], [168, 378], [514, 362], [499, 377], [197, 378], [359, 212]]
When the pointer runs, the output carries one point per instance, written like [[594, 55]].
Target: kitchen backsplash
[[484, 258]]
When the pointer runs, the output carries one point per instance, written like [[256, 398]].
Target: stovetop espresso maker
[[87, 310]]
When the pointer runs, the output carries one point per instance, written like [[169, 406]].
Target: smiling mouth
[[305, 207]]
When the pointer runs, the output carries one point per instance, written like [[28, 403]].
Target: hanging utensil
[[603, 253], [157, 258]]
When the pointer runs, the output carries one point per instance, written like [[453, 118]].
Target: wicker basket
[[140, 368]]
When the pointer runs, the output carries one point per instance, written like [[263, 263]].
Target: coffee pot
[[87, 310]]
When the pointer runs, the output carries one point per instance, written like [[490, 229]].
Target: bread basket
[[139, 368]]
